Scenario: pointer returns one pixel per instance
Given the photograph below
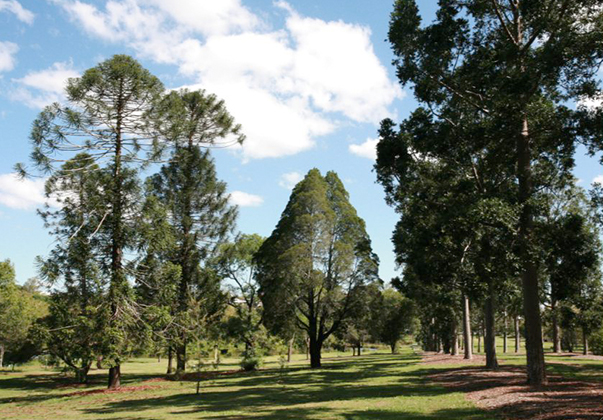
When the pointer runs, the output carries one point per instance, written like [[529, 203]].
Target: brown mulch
[[505, 393], [123, 389], [195, 376], [432, 358]]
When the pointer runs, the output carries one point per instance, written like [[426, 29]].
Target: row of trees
[[481, 171], [153, 263]]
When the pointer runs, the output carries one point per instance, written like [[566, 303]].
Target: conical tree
[[313, 265]]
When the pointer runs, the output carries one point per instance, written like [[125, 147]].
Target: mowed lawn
[[373, 386]]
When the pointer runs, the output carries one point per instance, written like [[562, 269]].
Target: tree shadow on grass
[[258, 395]]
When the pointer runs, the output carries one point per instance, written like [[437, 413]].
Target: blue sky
[[308, 80]]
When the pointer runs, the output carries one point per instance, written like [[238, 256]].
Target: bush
[[251, 361], [596, 342]]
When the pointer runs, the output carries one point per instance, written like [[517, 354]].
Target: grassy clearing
[[375, 386]]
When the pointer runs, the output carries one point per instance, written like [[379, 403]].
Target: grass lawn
[[374, 386]]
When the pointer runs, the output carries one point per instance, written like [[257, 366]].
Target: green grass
[[374, 386]]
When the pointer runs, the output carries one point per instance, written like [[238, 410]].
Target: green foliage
[[251, 360], [19, 310], [313, 265]]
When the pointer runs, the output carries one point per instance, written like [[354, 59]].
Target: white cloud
[[368, 149], [244, 199], [13, 6], [286, 86], [7, 55], [40, 88], [290, 180], [597, 180], [591, 103], [21, 194]]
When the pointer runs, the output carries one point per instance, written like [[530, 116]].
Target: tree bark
[[290, 349], [359, 349], [315, 348], [505, 335], [170, 367], [517, 336], [307, 348], [467, 334], [531, 299], [490, 336], [1, 355], [585, 341], [181, 356], [455, 339], [479, 342], [115, 376], [556, 334]]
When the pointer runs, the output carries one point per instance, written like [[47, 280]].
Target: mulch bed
[[505, 393], [123, 389]]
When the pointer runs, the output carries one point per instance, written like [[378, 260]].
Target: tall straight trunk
[[181, 355], [170, 368], [353, 350], [188, 263], [216, 355], [307, 348], [1, 355], [556, 334], [290, 349], [490, 336], [585, 341], [393, 347], [455, 340], [505, 335], [517, 336], [531, 299], [467, 334], [118, 280], [359, 350], [479, 342]]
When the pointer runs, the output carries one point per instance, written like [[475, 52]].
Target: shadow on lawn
[[42, 387], [268, 395]]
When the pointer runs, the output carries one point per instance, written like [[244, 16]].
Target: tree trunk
[[216, 355], [315, 348], [307, 348], [1, 355], [81, 374], [181, 356], [359, 349], [517, 336], [467, 334], [393, 347], [170, 367], [505, 335], [479, 342], [585, 341], [118, 281], [531, 299], [115, 376], [99, 362], [556, 335], [290, 349], [490, 336], [455, 340]]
